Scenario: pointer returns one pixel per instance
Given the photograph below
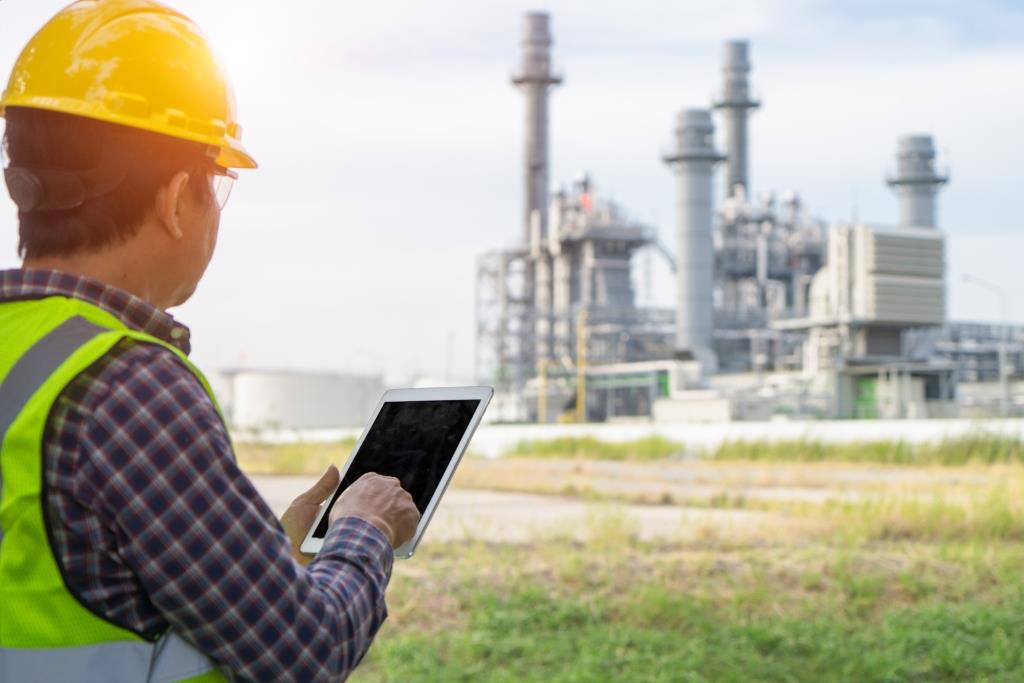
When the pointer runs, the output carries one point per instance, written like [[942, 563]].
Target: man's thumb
[[324, 486]]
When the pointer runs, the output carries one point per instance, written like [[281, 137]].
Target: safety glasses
[[223, 180]]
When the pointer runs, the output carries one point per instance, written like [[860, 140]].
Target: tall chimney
[[734, 103], [534, 78], [916, 181], [693, 161]]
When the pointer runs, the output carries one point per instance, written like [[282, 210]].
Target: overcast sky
[[389, 143]]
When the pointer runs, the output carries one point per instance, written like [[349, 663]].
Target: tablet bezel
[[312, 546]]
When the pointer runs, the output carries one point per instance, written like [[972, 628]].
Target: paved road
[[517, 517]]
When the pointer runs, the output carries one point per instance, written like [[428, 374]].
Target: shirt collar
[[137, 314]]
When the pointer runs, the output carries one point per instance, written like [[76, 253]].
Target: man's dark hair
[[41, 139]]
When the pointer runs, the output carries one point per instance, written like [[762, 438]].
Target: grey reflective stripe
[[168, 660], [174, 660], [36, 365]]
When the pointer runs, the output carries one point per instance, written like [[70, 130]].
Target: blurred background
[[391, 141]]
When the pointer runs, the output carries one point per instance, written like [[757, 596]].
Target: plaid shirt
[[153, 524]]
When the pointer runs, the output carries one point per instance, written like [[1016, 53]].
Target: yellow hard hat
[[135, 63]]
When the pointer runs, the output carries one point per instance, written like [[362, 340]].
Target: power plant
[[777, 313]]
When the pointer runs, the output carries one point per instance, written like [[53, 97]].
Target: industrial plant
[[777, 313]]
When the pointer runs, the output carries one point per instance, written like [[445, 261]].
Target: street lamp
[[1004, 386]]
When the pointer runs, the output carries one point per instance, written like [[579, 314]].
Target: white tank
[[299, 400]]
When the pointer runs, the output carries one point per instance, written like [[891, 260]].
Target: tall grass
[[978, 448], [591, 448], [292, 458], [994, 515]]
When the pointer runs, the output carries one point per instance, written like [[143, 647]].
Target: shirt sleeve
[[206, 548]]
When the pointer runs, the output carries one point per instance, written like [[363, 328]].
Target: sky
[[390, 147]]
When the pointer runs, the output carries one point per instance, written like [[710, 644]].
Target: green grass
[[979, 448], [955, 613], [591, 448], [528, 637]]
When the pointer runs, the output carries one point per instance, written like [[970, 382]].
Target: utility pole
[[542, 390], [581, 365], [1004, 370]]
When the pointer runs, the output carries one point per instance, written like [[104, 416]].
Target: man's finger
[[323, 487]]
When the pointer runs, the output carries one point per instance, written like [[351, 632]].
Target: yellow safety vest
[[46, 633]]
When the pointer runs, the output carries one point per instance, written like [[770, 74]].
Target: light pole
[[1004, 385]]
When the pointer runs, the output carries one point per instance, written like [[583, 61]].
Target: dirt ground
[[518, 500]]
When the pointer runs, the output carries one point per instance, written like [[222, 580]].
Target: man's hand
[[382, 502], [299, 516]]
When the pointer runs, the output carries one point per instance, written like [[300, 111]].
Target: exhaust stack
[[693, 161], [535, 78], [735, 103], [916, 181]]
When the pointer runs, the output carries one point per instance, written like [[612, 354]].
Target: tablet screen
[[413, 441]]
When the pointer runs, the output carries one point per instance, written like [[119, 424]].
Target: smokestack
[[534, 78], [916, 181], [734, 104], [693, 162]]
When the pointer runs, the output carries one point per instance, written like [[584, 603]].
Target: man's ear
[[168, 204]]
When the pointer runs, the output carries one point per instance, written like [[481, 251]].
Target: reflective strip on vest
[[133, 660], [169, 660], [36, 366]]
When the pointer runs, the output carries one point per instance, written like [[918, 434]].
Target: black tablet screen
[[413, 441]]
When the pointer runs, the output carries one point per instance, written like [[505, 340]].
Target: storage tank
[[299, 400]]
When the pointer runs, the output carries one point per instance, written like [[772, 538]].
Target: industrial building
[[777, 312]]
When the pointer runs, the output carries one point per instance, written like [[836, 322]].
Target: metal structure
[[693, 161], [735, 103], [978, 350], [916, 181], [535, 78], [576, 256], [775, 312]]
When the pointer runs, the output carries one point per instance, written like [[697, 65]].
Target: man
[[132, 547]]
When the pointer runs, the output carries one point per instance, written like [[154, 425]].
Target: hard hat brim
[[231, 153]]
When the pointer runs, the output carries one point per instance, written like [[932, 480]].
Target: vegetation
[[894, 570], [292, 458], [591, 448], [626, 611], [980, 448]]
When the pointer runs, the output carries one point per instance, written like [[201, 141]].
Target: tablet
[[418, 436]]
